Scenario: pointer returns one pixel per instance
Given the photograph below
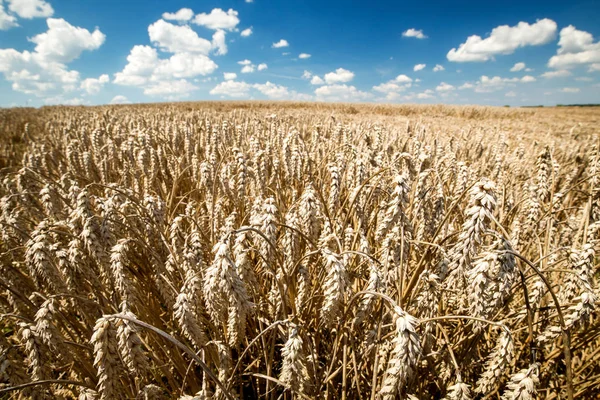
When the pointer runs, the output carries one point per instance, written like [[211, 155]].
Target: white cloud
[[183, 65], [245, 62], [218, 19], [393, 88], [229, 76], [231, 89], [177, 38], [184, 14], [6, 21], [419, 67], [416, 33], [94, 85], [63, 42], [438, 68], [246, 32], [60, 100], [427, 94], [510, 94], [119, 99], [247, 69], [262, 67], [466, 85], [403, 79], [141, 63], [306, 74], [316, 81], [218, 42], [561, 73], [43, 72], [145, 69], [444, 87], [304, 55], [340, 75], [340, 93], [504, 39], [570, 90], [174, 89], [31, 8], [281, 43], [487, 84], [249, 1], [287, 53], [594, 67], [518, 67], [389, 87], [272, 90], [575, 47]]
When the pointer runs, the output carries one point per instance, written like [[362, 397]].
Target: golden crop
[[298, 250]]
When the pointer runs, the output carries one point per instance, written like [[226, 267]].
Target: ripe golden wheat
[[259, 250]]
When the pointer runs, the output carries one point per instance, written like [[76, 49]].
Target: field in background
[[299, 250]]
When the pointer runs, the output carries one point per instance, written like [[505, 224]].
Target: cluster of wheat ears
[[168, 252]]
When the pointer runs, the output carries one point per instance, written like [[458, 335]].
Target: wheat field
[[297, 250]]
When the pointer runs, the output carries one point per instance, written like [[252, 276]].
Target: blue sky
[[462, 52]]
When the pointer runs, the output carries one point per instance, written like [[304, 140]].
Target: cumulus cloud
[[246, 32], [262, 67], [94, 85], [245, 62], [487, 84], [281, 43], [171, 88], [304, 55], [307, 74], [63, 42], [393, 88], [575, 48], [317, 81], [403, 79], [231, 89], [44, 72], [427, 94], [419, 67], [466, 85], [6, 21], [438, 68], [272, 90], [518, 67], [229, 76], [340, 75], [340, 93], [119, 99], [177, 38], [561, 73], [570, 90], [416, 33], [218, 43], [29, 9], [504, 40], [60, 100], [247, 69], [444, 87], [218, 19], [183, 15], [146, 69]]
